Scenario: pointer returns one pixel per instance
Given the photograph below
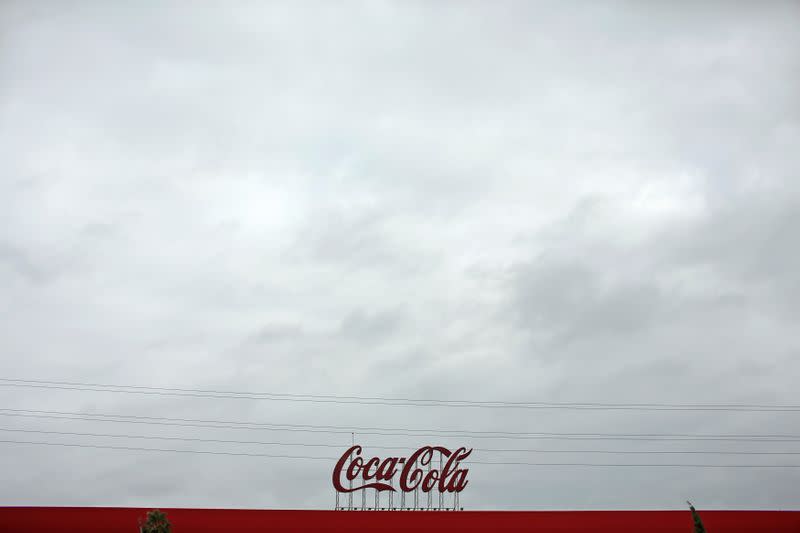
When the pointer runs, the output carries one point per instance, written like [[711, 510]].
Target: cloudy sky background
[[591, 202]]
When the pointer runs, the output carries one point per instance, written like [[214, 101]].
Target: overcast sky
[[580, 202]]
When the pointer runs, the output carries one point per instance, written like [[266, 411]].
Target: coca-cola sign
[[352, 472]]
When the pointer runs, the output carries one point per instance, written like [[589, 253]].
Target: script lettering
[[418, 471]]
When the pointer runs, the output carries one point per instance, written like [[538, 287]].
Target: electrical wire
[[219, 424], [496, 463], [339, 446], [386, 401]]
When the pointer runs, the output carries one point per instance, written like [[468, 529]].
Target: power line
[[339, 446], [221, 424], [133, 448], [177, 424], [386, 401], [496, 463], [189, 439]]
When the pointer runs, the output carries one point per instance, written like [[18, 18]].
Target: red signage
[[377, 474]]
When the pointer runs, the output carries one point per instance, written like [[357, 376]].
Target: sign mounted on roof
[[416, 472]]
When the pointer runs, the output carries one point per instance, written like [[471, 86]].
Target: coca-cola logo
[[376, 474]]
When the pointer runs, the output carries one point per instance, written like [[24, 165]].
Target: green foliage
[[156, 523], [698, 524]]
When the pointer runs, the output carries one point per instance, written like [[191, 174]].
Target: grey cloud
[[594, 282], [20, 263], [374, 326], [277, 332], [464, 201], [686, 303], [750, 239], [567, 297]]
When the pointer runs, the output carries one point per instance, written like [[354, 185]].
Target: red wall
[[113, 520]]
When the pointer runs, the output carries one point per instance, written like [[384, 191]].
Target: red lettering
[[372, 463], [430, 480], [450, 478], [388, 468], [355, 468]]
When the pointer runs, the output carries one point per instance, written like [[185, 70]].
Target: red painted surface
[[114, 520]]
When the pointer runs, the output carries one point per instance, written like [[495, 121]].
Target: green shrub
[[698, 524], [156, 523]]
